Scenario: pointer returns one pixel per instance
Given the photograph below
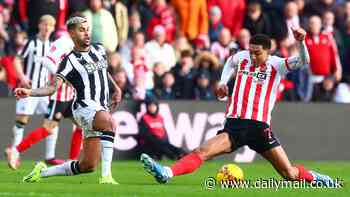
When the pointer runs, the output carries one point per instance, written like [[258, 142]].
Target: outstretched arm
[[39, 92], [303, 58], [227, 72]]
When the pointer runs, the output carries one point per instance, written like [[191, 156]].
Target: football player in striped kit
[[85, 69], [248, 114], [32, 73]]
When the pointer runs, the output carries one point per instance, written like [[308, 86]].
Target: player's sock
[[32, 138], [107, 147], [17, 133], [76, 141], [68, 168], [304, 174], [51, 144], [186, 164]]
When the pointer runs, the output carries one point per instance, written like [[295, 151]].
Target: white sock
[[17, 134], [51, 144], [68, 168], [107, 147]]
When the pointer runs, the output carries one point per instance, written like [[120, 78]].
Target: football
[[229, 172]]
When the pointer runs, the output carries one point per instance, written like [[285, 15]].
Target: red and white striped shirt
[[59, 49], [255, 89]]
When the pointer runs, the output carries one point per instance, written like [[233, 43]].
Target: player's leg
[[24, 108], [13, 157], [91, 156], [18, 128], [48, 128], [263, 141], [279, 159], [104, 123], [76, 142], [189, 163], [51, 125], [52, 110]]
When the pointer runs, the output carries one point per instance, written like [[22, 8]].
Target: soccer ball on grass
[[229, 173]]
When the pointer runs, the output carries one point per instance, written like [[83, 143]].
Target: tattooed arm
[[39, 92], [303, 58]]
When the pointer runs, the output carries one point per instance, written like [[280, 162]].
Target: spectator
[[181, 44], [120, 13], [221, 48], [31, 11], [193, 17], [162, 15], [134, 24], [202, 90], [138, 41], [233, 11], [184, 75], [346, 57], [209, 62], [6, 30], [291, 20], [323, 59], [319, 6], [243, 39], [152, 137], [158, 72], [144, 9], [115, 63], [103, 29], [329, 28], [202, 43], [303, 19], [142, 75], [166, 92], [343, 15], [256, 21], [215, 24], [123, 83], [157, 50]]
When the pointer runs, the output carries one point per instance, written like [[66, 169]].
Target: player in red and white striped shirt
[[248, 113]]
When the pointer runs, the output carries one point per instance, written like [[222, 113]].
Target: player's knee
[[103, 121]]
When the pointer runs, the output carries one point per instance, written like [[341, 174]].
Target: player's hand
[[116, 98], [299, 34], [22, 92], [25, 83], [221, 91]]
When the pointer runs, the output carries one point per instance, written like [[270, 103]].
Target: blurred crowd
[[175, 49]]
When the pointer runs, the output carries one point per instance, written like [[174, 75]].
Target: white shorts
[[85, 116], [32, 105]]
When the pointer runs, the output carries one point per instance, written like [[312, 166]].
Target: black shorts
[[257, 135], [58, 109]]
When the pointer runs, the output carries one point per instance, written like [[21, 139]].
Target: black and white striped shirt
[[87, 73], [32, 54]]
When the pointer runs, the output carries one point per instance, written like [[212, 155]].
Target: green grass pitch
[[134, 182]]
